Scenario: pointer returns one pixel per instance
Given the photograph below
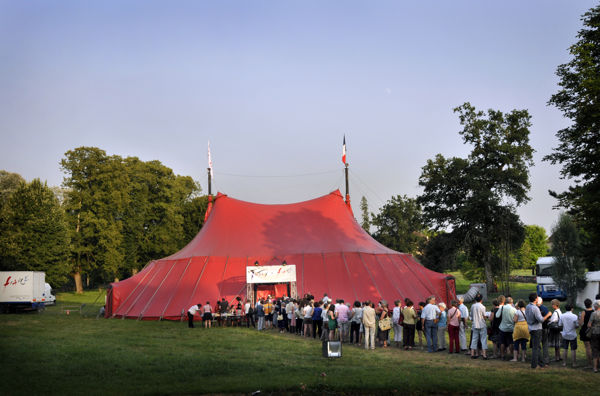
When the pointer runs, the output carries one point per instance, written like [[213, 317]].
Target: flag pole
[[347, 186]]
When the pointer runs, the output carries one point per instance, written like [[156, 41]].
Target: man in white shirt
[[479, 327], [429, 319], [191, 312], [569, 323], [326, 299], [462, 330]]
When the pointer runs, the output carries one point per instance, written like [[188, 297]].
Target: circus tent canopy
[[320, 237]]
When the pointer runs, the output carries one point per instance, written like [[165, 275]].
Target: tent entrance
[[270, 280], [277, 290]]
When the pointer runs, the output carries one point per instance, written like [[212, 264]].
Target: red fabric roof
[[332, 254]]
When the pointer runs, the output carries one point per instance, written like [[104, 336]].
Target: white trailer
[[23, 290]]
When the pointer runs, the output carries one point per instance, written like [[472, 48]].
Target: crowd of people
[[510, 326]]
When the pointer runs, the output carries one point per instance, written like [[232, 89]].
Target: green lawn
[[55, 353]]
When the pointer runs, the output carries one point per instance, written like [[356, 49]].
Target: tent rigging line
[[277, 176]]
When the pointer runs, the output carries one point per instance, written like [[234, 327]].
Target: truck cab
[[546, 288]]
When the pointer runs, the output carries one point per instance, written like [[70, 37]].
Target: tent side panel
[[380, 276], [339, 283], [151, 287], [315, 281], [207, 288], [360, 278], [163, 294], [127, 298], [179, 302], [233, 283]]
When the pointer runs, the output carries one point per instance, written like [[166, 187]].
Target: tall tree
[[579, 148], [473, 195], [9, 183], [535, 245], [123, 212], [33, 233], [399, 225], [364, 210], [96, 203], [568, 271]]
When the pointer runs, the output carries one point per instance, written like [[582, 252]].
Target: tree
[[122, 212], [535, 245], [568, 271], [579, 148], [9, 182], [399, 225], [364, 209], [440, 252], [473, 196], [33, 233]]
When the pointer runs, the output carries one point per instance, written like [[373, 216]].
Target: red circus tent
[[330, 251]]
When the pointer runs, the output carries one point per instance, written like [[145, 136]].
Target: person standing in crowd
[[495, 319], [397, 311], [507, 326], [276, 312], [307, 319], [249, 311], [317, 320], [291, 312], [419, 323], [521, 332], [191, 313], [569, 323], [384, 334], [342, 313], [441, 327], [260, 313], [300, 317], [429, 318], [554, 333], [534, 322], [268, 310], [369, 325], [326, 299], [545, 331], [409, 324], [478, 328], [325, 320], [594, 324], [453, 316], [462, 330], [331, 321], [207, 316], [584, 319], [355, 323]]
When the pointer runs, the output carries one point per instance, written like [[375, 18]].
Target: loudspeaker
[[332, 349]]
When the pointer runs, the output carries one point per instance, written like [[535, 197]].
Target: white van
[[24, 290]]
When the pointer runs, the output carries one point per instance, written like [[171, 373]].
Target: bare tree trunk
[[489, 279], [78, 282]]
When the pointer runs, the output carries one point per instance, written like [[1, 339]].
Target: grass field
[[56, 353]]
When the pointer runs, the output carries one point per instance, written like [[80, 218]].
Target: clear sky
[[274, 85]]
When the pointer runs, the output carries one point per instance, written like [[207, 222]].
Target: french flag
[[344, 151]]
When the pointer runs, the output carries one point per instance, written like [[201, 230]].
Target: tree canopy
[[33, 233], [124, 212], [476, 197], [568, 271], [399, 225], [579, 150]]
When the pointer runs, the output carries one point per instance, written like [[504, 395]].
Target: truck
[[24, 290], [546, 288]]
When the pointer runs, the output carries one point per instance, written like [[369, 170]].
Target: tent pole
[[209, 182], [347, 186]]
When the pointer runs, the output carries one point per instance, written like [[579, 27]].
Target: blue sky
[[275, 85]]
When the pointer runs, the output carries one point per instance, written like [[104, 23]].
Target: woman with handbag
[[594, 333], [521, 332], [397, 323], [584, 319], [554, 337], [385, 324]]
